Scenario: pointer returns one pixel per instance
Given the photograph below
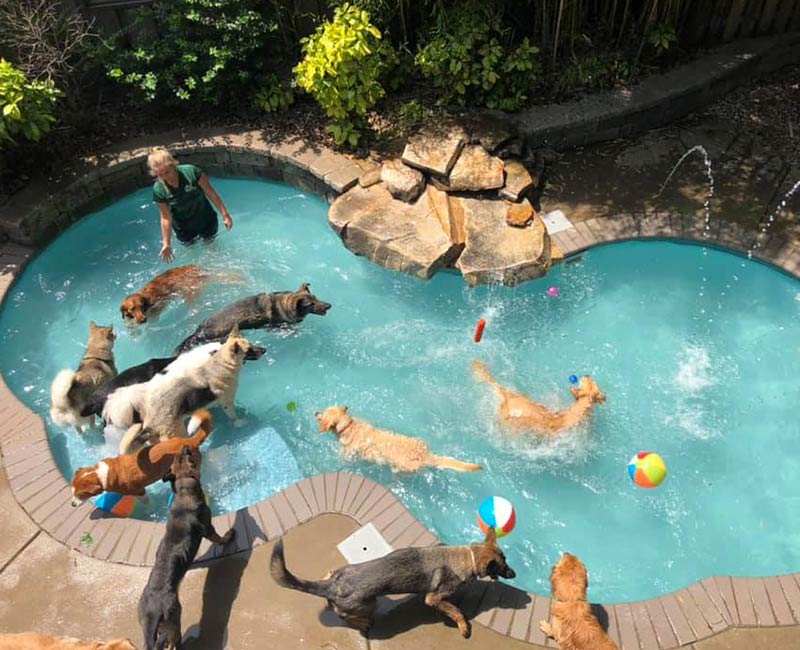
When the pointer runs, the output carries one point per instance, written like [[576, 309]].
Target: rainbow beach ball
[[116, 504], [647, 469], [497, 513]]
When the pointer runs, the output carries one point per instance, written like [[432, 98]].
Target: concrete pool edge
[[677, 619]]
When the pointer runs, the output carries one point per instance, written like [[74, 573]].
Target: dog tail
[[129, 442], [445, 462], [482, 373], [200, 425], [229, 277], [281, 575], [60, 404]]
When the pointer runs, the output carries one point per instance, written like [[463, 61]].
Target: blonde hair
[[160, 158]]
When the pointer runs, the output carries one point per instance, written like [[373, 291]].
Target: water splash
[[766, 224]]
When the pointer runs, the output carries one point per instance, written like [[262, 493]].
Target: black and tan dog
[[72, 390], [436, 571], [257, 312], [189, 522]]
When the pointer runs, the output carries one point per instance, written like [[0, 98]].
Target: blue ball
[[573, 379]]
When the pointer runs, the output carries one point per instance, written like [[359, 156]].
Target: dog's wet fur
[[140, 374], [163, 410], [188, 523], [72, 391], [257, 312], [436, 571], [572, 624], [130, 474], [520, 413]]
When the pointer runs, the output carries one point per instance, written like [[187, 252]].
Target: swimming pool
[[698, 354]]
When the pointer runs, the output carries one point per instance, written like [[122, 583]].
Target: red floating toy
[[479, 330]]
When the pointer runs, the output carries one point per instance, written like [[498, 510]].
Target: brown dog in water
[[186, 281], [402, 453], [519, 412], [130, 474], [436, 571], [572, 623]]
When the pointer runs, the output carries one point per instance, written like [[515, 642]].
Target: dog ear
[[574, 392], [491, 537], [169, 477], [234, 331], [600, 397], [236, 348], [92, 325], [345, 408], [304, 288]]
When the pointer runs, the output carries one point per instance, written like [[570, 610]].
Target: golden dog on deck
[[572, 624], [34, 641]]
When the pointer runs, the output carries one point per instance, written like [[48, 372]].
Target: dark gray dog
[[257, 312], [189, 522], [436, 571]]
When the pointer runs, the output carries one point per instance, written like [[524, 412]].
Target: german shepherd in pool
[[257, 312]]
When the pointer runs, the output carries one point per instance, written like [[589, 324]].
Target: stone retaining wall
[[657, 100]]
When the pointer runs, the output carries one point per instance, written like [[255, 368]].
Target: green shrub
[[341, 66], [26, 107], [206, 50], [662, 37], [275, 95], [593, 72], [468, 59]]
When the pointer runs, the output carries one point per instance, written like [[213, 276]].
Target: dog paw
[[544, 626], [228, 537], [466, 630]]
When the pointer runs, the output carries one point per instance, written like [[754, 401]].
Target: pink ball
[[553, 292]]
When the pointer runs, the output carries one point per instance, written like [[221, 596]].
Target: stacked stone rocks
[[447, 202]]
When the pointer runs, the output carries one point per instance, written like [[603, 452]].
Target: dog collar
[[346, 427], [111, 360]]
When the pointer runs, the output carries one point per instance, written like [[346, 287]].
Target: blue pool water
[[698, 354]]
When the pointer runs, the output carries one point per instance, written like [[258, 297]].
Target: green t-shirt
[[191, 210]]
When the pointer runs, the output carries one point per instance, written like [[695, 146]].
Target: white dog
[[157, 409]]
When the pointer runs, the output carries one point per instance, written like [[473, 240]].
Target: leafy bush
[[662, 36], [596, 71], [469, 61], [341, 66], [206, 50], [26, 107], [275, 95]]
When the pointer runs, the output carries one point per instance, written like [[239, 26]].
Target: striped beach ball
[[497, 513], [647, 469], [116, 504]]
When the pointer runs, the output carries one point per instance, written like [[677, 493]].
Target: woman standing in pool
[[182, 193]]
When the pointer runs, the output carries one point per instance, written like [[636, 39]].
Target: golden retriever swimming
[[572, 623], [520, 413], [403, 454]]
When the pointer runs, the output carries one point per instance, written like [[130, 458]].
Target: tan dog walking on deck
[[519, 412], [572, 624], [402, 453], [34, 641]]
